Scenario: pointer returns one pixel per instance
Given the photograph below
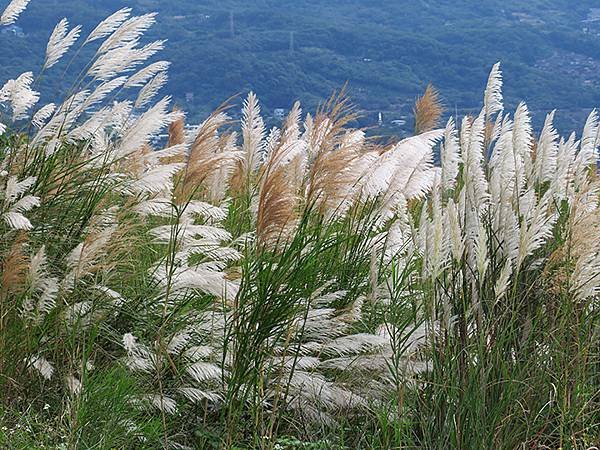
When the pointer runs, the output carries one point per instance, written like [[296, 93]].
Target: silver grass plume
[[493, 93], [149, 124], [128, 33], [144, 75], [562, 183], [547, 151], [12, 11], [123, 59], [588, 154], [537, 224], [43, 284], [151, 89], [42, 366], [14, 203], [439, 246], [19, 95], [42, 115], [503, 281], [585, 235], [457, 245], [60, 42], [109, 25], [472, 142], [253, 133], [406, 170], [503, 167], [101, 92], [522, 145], [450, 156]]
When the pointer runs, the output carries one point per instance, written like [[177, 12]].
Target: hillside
[[386, 51]]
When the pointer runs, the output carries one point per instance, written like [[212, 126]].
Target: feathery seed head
[[428, 110], [13, 11]]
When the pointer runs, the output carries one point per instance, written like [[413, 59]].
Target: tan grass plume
[[277, 201], [428, 111], [177, 131], [204, 156], [15, 266]]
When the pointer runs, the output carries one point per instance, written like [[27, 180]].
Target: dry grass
[[205, 155], [14, 267], [330, 161], [428, 111], [277, 201], [177, 132]]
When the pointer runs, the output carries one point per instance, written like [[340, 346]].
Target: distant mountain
[[386, 50]]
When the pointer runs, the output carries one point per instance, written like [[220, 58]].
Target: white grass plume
[[42, 366], [151, 89], [19, 94], [149, 124], [588, 154], [15, 204], [42, 115], [547, 150], [144, 75], [123, 59], [493, 93], [450, 156], [109, 25], [129, 32], [13, 11], [60, 42], [253, 133]]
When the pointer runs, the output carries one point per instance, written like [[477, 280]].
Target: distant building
[[279, 113], [380, 119], [13, 30]]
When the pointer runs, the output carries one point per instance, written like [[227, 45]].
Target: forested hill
[[387, 50]]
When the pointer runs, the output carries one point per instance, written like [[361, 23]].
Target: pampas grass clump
[[294, 286]]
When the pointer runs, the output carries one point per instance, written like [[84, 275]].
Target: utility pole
[[231, 24]]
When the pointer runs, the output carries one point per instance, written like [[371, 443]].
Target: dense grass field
[[296, 288]]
